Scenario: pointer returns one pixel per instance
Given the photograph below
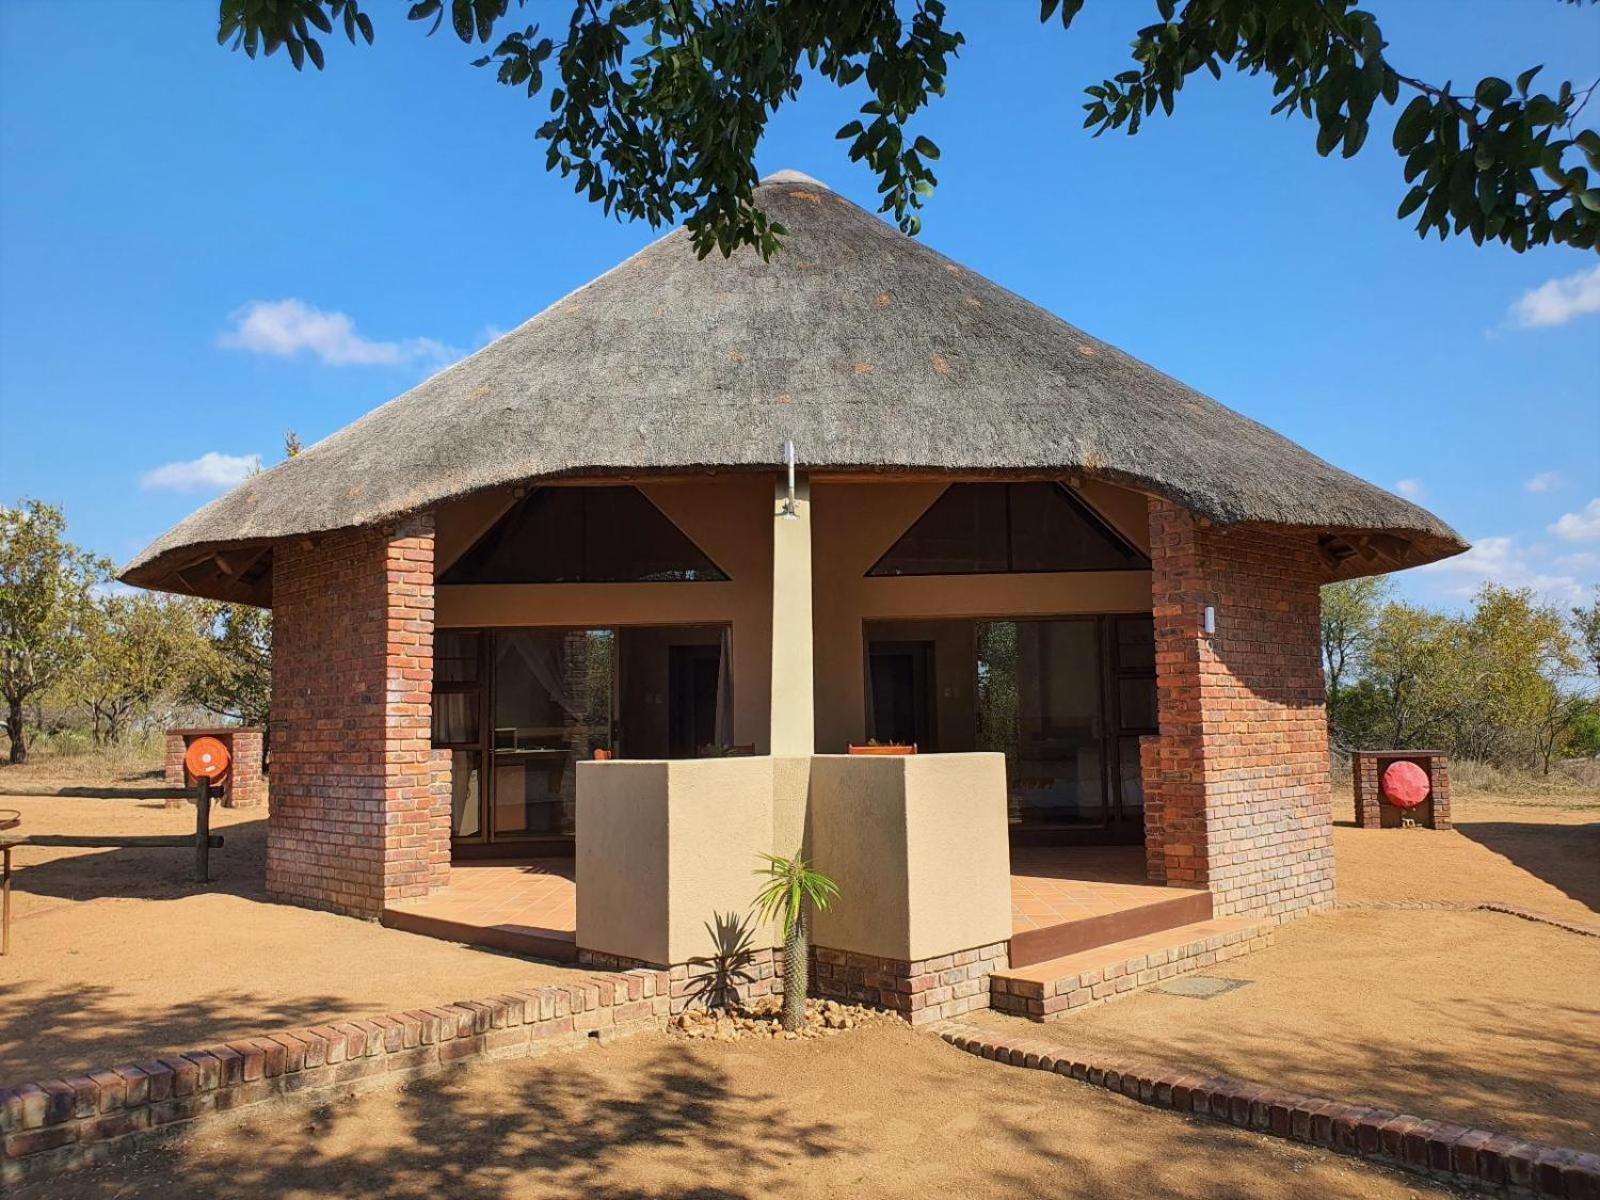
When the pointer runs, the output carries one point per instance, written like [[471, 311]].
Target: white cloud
[[208, 472], [1580, 526], [286, 328], [1411, 489], [1504, 561], [1544, 481], [1558, 301]]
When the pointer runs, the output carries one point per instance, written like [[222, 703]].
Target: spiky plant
[[792, 889]]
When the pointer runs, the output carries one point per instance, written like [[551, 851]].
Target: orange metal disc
[[206, 758]]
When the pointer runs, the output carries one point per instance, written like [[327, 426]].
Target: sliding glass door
[[518, 709], [1066, 700]]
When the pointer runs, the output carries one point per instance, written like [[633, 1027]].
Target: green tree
[[45, 584], [792, 889], [1410, 667], [232, 676], [139, 650], [1523, 662], [657, 106], [1586, 620], [1350, 611]]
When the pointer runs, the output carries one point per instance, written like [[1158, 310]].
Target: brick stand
[[1373, 812], [245, 785]]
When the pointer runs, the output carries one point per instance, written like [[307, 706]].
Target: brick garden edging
[[1440, 1150], [54, 1125]]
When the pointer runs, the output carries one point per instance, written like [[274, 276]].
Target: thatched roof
[[870, 350]]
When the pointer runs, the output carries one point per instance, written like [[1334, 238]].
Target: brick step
[[1179, 907], [1048, 990], [553, 944]]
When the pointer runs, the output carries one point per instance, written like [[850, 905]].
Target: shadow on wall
[[1565, 856]]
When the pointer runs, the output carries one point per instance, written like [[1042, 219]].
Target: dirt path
[[1477, 1018], [885, 1112], [1473, 1017], [1538, 852], [116, 954]]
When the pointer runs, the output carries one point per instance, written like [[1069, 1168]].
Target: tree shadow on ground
[[571, 1127], [95, 1027], [886, 1113], [238, 868], [1565, 856]]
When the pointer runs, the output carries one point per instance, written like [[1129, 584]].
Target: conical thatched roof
[[868, 349]]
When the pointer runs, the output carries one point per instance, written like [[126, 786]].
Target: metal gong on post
[[207, 759]]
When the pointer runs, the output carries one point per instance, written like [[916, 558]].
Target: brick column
[[1241, 782], [360, 811], [247, 786]]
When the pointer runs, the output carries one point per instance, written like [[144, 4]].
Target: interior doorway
[[693, 673], [901, 684]]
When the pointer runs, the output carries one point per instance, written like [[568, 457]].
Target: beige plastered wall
[[854, 523], [919, 848], [917, 844], [665, 848]]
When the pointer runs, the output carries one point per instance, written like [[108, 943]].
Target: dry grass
[[71, 759]]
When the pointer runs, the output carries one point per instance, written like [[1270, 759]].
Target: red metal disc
[[1405, 785], [206, 758]]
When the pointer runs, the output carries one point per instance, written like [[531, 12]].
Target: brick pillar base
[[921, 992], [360, 811], [1240, 769]]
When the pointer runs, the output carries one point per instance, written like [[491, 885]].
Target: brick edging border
[[1494, 906], [1440, 1150], [54, 1125]]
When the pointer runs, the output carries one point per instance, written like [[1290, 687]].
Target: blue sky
[[198, 252]]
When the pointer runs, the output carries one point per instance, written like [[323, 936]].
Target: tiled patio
[[530, 907], [1052, 885]]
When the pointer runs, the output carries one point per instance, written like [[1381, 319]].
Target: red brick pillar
[[1241, 782], [247, 786], [360, 811], [173, 774]]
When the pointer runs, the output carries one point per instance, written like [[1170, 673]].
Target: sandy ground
[[884, 1111], [1467, 1016], [116, 954], [1541, 852]]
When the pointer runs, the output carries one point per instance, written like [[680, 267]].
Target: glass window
[[1132, 778], [1136, 643], [583, 535], [1136, 703], [552, 708], [455, 655], [962, 533], [1039, 701], [455, 718], [466, 816], [993, 528]]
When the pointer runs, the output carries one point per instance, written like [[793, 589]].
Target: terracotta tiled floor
[[537, 896], [1049, 886], [1056, 885]]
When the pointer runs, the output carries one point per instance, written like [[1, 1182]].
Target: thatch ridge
[[870, 350]]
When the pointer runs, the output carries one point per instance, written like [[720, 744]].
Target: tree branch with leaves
[[656, 107]]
